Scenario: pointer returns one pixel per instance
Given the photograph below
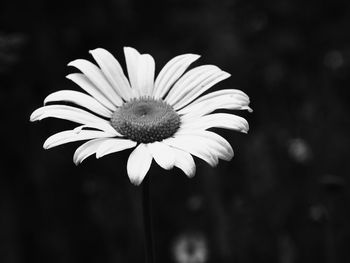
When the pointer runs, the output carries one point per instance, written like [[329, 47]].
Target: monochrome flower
[[165, 118]]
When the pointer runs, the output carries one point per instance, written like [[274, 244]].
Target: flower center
[[146, 120]]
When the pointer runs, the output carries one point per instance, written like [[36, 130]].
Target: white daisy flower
[[164, 118]]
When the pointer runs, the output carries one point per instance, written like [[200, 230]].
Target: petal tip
[[34, 116], [71, 63], [69, 76], [129, 50], [98, 49], [46, 146], [229, 156], [76, 62], [77, 160], [191, 174], [93, 50], [135, 181], [226, 74]]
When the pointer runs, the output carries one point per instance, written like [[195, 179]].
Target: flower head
[[166, 118]]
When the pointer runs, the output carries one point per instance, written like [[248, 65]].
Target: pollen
[[146, 120]]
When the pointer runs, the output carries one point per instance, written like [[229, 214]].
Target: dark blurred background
[[283, 198]]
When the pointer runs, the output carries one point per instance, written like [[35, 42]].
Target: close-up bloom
[[165, 118]]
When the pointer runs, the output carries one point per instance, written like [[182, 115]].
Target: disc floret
[[146, 120]]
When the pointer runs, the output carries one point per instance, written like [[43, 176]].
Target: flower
[[163, 118]]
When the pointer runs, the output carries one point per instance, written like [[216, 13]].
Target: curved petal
[[141, 69], [94, 74], [80, 99], [103, 126], [230, 92], [193, 84], [189, 77], [114, 145], [194, 146], [67, 113], [113, 72], [185, 162], [138, 164], [87, 149], [162, 154], [131, 59], [218, 145], [218, 120], [82, 81], [210, 104], [200, 88], [73, 136], [171, 72], [145, 74]]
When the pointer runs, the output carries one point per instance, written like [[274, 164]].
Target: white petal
[[140, 70], [193, 145], [162, 154], [218, 145], [113, 72], [193, 84], [82, 81], [218, 120], [103, 126], [171, 72], [87, 149], [185, 162], [188, 78], [146, 74], [67, 113], [79, 98], [232, 92], [200, 88], [131, 59], [72, 136], [114, 145], [212, 103], [138, 164], [94, 74]]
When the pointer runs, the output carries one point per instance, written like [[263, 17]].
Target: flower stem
[[147, 220]]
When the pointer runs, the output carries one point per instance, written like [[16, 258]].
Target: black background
[[283, 198]]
